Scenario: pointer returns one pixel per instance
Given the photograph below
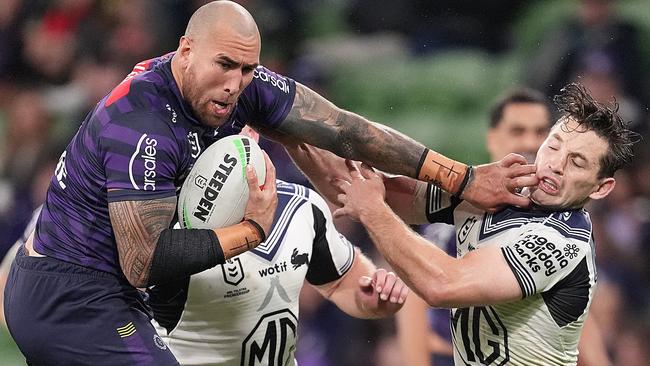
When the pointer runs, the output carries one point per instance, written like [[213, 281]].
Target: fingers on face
[[524, 181], [521, 170], [512, 159]]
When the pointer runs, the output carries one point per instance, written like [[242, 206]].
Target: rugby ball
[[215, 193]]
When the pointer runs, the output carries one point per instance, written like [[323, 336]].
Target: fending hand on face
[[498, 184]]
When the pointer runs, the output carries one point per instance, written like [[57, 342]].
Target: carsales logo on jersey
[[278, 82], [143, 160]]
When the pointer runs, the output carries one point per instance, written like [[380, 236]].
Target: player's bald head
[[219, 16]]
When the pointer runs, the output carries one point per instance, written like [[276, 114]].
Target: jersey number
[[61, 172], [273, 340], [471, 325]]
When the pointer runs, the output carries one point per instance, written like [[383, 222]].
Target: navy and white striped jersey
[[551, 254], [245, 312]]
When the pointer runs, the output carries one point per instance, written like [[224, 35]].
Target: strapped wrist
[[448, 174], [257, 226], [468, 178], [239, 238]]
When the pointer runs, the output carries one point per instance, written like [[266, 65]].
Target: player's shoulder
[[294, 190], [297, 194], [264, 78], [145, 89], [573, 224]]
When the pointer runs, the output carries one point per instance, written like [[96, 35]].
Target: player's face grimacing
[[567, 167], [217, 67]]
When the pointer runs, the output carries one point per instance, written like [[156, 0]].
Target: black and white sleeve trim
[[524, 278]]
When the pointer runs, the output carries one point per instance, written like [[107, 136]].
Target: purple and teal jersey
[[139, 143]]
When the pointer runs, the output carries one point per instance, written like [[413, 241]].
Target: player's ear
[[184, 48], [605, 186]]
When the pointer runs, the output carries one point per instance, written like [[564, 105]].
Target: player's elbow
[[438, 295], [442, 289]]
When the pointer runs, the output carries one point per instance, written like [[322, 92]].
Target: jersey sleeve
[[140, 156], [332, 254], [540, 257], [268, 98], [440, 205]]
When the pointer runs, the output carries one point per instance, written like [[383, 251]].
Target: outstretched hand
[[498, 184], [363, 193], [384, 293]]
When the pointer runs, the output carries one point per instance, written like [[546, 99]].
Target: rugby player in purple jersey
[[104, 231]]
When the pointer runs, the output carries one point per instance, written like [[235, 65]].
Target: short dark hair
[[575, 102], [515, 96]]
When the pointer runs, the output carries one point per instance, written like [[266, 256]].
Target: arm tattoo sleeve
[[318, 122], [137, 226]]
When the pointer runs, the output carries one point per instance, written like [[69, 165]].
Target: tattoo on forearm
[[316, 121], [137, 226]]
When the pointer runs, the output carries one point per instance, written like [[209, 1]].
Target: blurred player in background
[[105, 229], [246, 311]]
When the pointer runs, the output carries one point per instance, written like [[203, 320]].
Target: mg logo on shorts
[[233, 271], [272, 341]]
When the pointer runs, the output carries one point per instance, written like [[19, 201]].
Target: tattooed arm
[[151, 253], [316, 121], [137, 226]]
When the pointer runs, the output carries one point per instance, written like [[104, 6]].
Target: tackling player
[[523, 281], [105, 225], [245, 311]]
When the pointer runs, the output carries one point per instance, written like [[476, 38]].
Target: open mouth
[[220, 108], [548, 186]]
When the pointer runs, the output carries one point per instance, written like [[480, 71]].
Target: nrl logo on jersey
[[233, 271]]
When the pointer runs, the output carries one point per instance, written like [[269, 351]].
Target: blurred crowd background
[[430, 69]]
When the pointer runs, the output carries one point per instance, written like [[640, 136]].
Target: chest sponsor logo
[[298, 259], [195, 145], [213, 188], [275, 269], [465, 229], [145, 154], [233, 271], [540, 254], [278, 82], [272, 341]]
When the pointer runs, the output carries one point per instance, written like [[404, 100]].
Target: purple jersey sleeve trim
[[119, 195]]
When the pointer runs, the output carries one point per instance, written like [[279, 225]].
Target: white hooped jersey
[[551, 255], [245, 312]]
